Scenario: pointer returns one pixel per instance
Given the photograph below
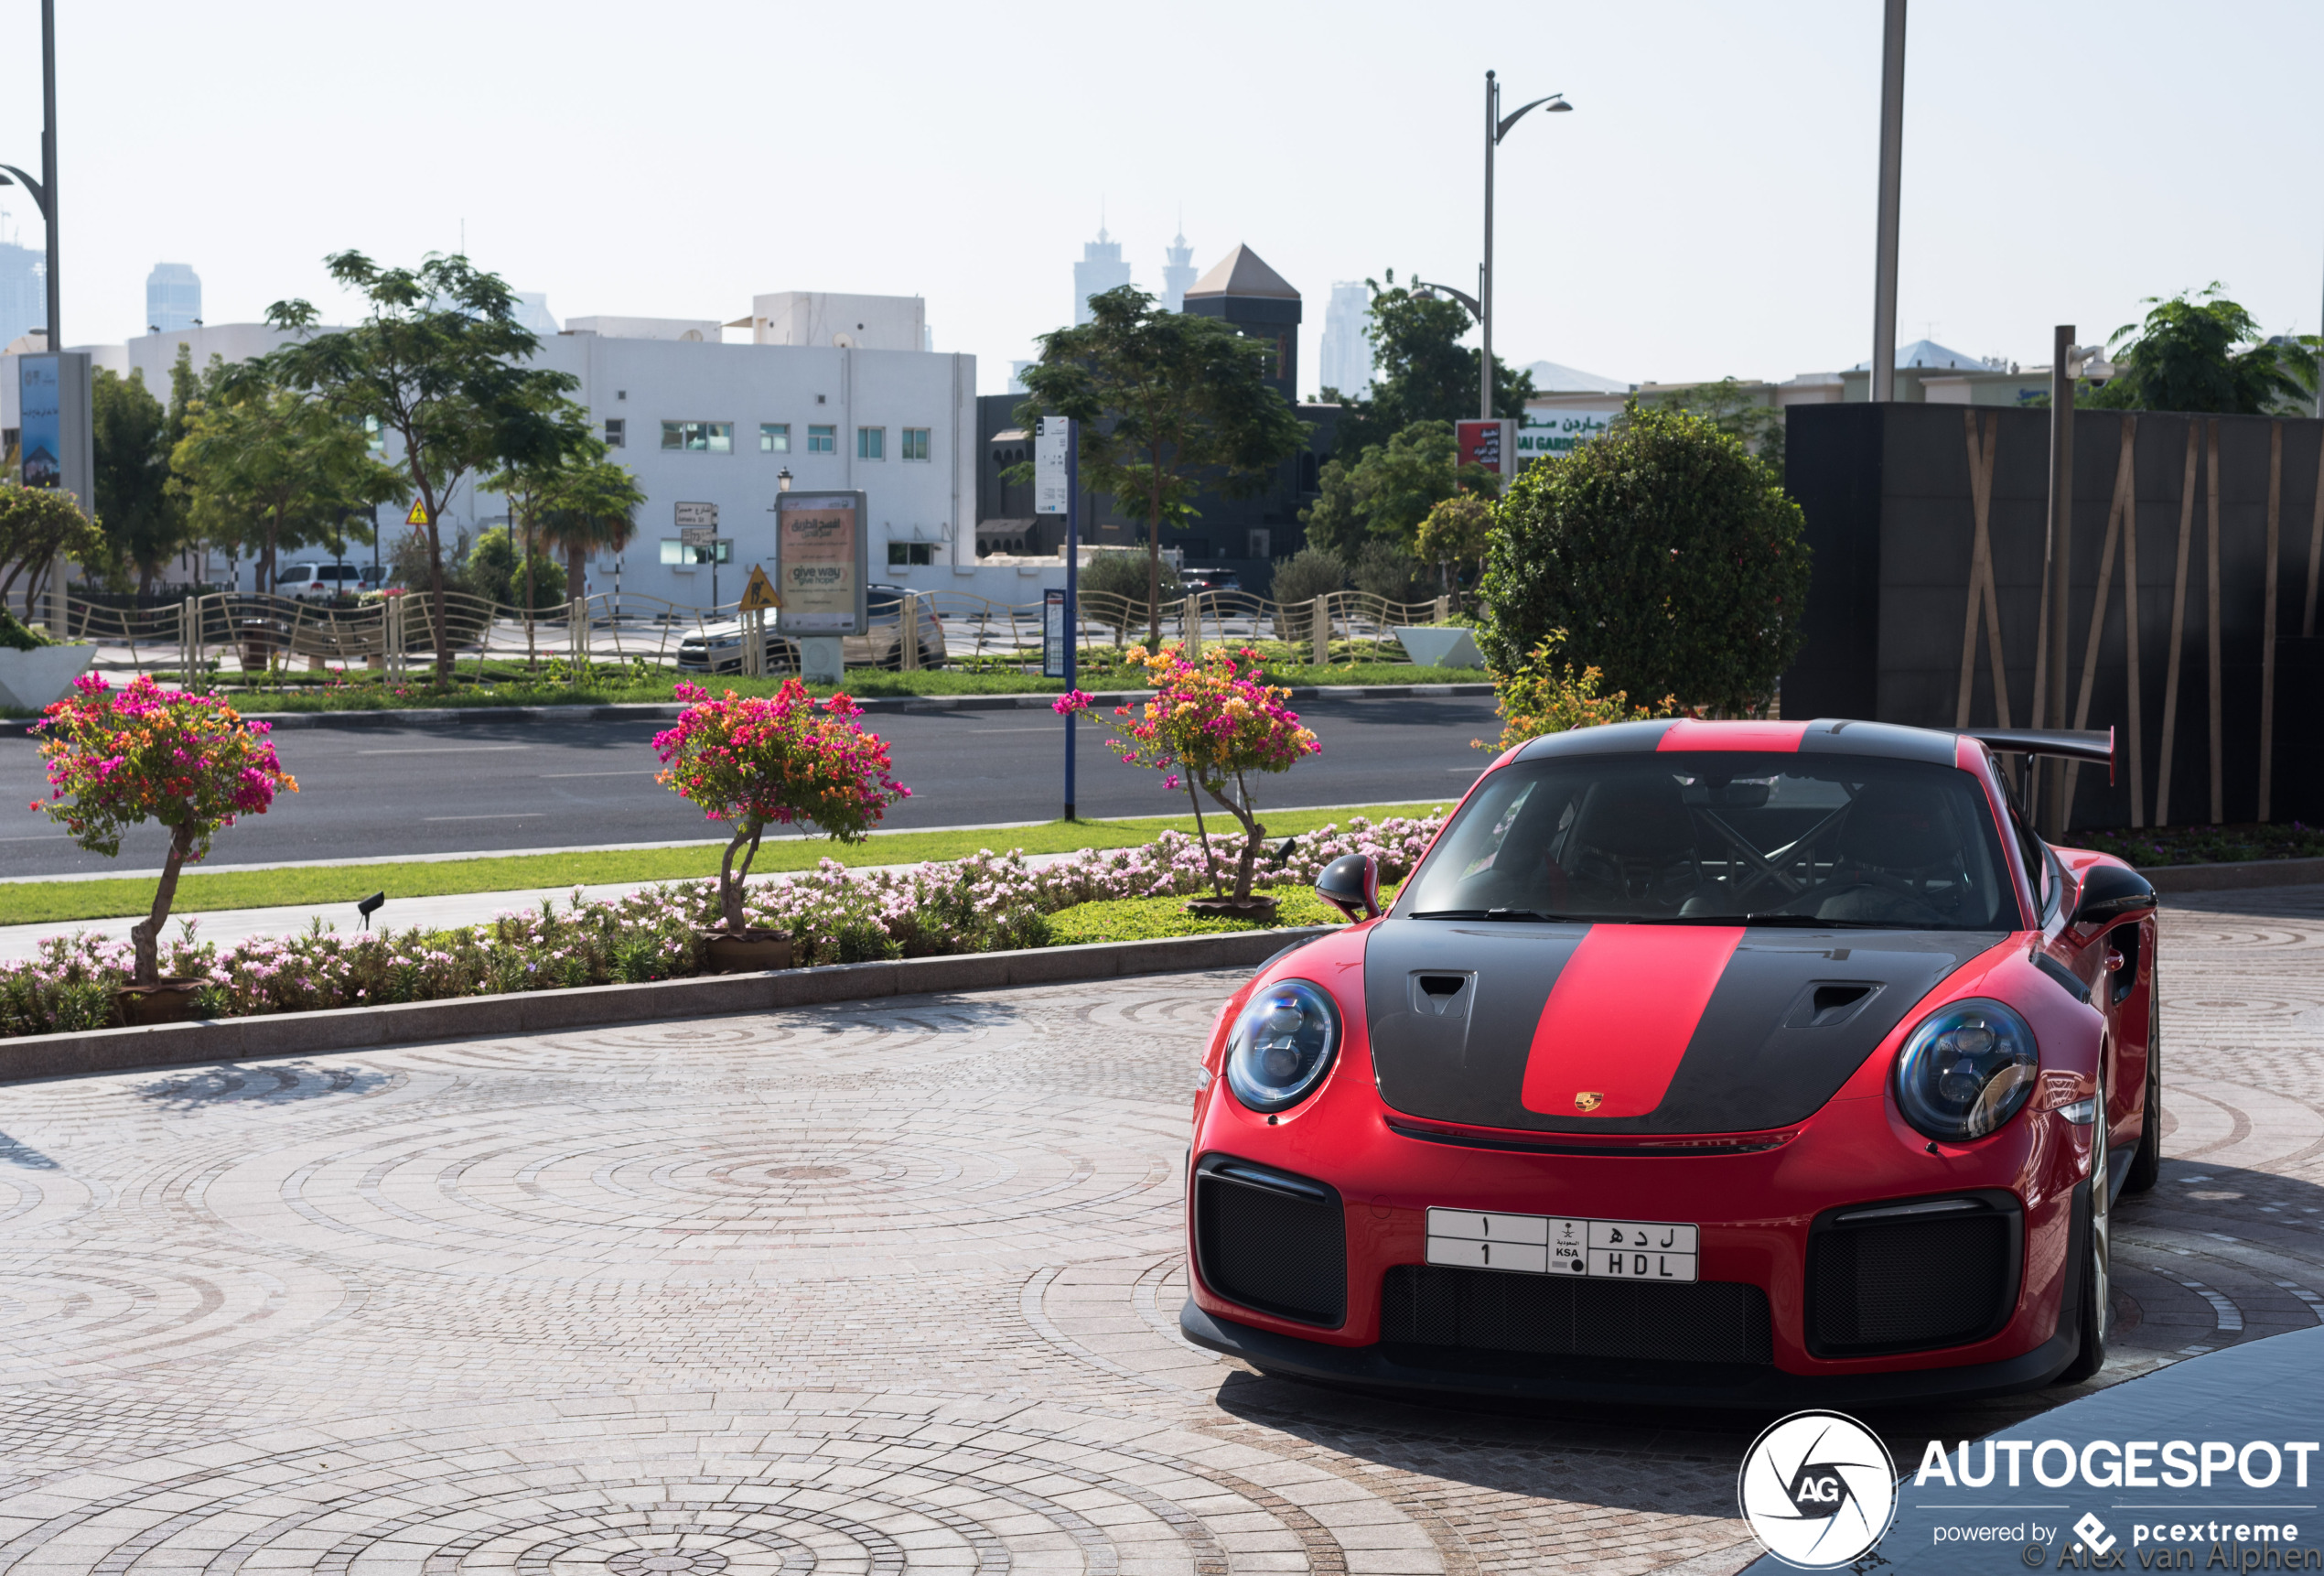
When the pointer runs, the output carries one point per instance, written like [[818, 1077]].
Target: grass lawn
[[506, 683], [63, 901], [1151, 919]]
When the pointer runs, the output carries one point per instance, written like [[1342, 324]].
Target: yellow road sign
[[760, 595], [418, 516]]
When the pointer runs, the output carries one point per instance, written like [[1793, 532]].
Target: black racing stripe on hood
[[1760, 1058]]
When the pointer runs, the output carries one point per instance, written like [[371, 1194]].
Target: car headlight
[[1967, 1068], [1282, 1045]]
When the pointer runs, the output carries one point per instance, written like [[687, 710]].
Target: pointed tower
[[1253, 297], [1101, 269], [1178, 274]]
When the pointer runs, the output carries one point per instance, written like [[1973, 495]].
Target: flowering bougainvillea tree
[[1211, 727], [189, 761], [778, 759]]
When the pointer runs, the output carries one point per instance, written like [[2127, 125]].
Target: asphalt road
[[382, 793]]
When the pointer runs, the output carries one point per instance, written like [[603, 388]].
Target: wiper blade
[[1530, 914], [1809, 922]]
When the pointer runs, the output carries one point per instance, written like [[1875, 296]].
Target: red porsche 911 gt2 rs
[[1704, 1063]]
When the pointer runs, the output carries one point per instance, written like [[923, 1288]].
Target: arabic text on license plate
[[1552, 1244]]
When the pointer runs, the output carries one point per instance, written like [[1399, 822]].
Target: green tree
[[145, 524], [1387, 490], [440, 362], [2204, 352], [1166, 402], [500, 572], [273, 469], [1455, 535], [590, 506], [1734, 410], [1672, 559], [36, 525], [1423, 372]]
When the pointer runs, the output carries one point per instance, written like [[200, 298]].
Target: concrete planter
[[30, 680], [1430, 646]]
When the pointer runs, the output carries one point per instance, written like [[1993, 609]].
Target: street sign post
[[697, 514], [1057, 490]]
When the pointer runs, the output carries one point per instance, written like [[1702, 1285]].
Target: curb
[[2237, 876], [595, 1005], [667, 711]]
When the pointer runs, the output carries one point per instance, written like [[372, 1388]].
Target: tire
[[2147, 1160], [2093, 1306]]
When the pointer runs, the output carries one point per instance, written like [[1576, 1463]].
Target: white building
[[700, 421], [1101, 269], [173, 296]]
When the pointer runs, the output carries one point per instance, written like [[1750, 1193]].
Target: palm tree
[[586, 506]]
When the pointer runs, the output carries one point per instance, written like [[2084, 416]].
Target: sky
[[1706, 211]]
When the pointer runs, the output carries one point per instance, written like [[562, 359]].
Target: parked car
[[318, 582], [717, 647], [1714, 1064]]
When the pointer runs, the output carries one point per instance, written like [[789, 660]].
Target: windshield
[[1722, 836]]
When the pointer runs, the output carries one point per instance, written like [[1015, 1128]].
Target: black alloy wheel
[[2094, 1308]]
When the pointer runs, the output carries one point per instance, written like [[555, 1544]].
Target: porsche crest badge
[[1588, 1100]]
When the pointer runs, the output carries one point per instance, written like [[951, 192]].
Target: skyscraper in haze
[[1101, 269], [24, 291], [173, 298], [1347, 349], [1178, 274]]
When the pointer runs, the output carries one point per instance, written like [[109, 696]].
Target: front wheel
[[2095, 1303], [2147, 1160]]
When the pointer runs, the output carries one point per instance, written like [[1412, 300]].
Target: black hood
[[1454, 1006]]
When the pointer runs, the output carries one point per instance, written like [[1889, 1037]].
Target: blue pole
[[1073, 586]]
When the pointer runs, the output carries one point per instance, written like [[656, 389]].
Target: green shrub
[[496, 571], [1154, 919], [1671, 557], [19, 636]]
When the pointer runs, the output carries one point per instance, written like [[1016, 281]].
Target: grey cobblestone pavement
[[870, 1289]]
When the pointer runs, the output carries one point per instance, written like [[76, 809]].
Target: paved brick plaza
[[868, 1288]]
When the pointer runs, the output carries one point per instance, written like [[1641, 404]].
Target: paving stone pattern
[[877, 1287]]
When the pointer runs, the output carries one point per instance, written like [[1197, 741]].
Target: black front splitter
[[1742, 1386]]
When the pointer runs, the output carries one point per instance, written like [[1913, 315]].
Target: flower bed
[[988, 902], [2149, 846]]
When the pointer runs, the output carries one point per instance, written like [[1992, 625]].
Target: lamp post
[[1496, 127], [1883, 265], [44, 190]]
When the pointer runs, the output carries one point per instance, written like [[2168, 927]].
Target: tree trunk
[[145, 934], [1194, 794], [730, 880], [439, 615], [1253, 833]]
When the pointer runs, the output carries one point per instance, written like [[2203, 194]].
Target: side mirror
[[2110, 892], [1352, 883]]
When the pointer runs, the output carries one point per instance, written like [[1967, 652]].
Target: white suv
[[318, 582]]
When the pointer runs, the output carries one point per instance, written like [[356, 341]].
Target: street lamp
[[782, 479], [1496, 127], [44, 190]]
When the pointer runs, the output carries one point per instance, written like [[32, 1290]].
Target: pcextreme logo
[[1819, 1489]]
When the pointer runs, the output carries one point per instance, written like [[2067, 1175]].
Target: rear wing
[[2094, 745]]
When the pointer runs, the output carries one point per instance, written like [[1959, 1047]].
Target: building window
[[617, 433], [915, 443], [678, 553], [871, 443], [903, 554], [699, 436], [774, 438], [823, 441]]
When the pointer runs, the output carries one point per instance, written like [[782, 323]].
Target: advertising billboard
[[821, 563], [1487, 443], [40, 391]]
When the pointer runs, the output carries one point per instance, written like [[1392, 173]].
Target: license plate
[[1552, 1244]]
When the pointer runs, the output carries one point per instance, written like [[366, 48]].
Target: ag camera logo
[[1818, 1488]]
